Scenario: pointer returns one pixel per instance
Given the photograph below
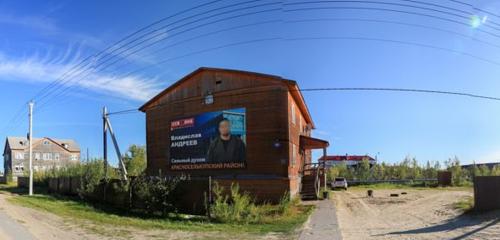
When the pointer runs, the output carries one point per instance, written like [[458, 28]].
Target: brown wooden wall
[[265, 101]]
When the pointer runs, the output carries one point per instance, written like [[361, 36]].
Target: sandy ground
[[44, 226], [420, 214]]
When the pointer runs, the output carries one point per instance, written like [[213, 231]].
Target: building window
[[47, 156], [18, 168], [294, 153], [45, 142], [293, 113], [56, 156], [19, 155], [37, 156], [74, 157]]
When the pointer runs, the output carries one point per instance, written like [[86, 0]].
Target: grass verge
[[465, 204], [78, 210]]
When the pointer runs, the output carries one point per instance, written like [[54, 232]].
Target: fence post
[[130, 193]]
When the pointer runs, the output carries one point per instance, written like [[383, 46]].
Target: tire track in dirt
[[419, 214]]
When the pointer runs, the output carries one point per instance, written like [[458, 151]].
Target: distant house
[[350, 160], [47, 153]]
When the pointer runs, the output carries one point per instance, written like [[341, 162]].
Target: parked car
[[339, 182]]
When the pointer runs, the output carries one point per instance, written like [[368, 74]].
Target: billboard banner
[[212, 140]]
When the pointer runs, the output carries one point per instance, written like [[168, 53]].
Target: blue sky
[[440, 45]]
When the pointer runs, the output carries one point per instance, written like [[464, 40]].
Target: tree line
[[410, 169]]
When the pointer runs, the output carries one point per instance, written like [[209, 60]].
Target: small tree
[[457, 174], [135, 160], [495, 171], [484, 170], [363, 170]]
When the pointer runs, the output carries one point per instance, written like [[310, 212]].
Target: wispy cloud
[[50, 67], [34, 22]]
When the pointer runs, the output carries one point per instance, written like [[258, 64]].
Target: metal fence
[[393, 181], [486, 193]]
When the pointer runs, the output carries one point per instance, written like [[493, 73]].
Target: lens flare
[[475, 21]]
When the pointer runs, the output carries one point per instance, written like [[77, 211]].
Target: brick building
[[47, 153], [235, 126]]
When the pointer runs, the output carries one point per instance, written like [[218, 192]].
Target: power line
[[397, 23], [398, 42], [391, 10], [475, 8], [411, 90], [160, 33], [427, 15], [406, 5], [401, 5], [394, 4], [105, 51], [202, 25], [78, 66]]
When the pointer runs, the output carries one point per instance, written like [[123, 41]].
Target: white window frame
[[19, 155], [74, 157], [293, 113]]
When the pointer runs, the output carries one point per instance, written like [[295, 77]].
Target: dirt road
[[420, 214]]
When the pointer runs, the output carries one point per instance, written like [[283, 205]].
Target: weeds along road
[[419, 214]]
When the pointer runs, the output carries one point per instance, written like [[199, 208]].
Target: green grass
[[77, 210], [465, 204]]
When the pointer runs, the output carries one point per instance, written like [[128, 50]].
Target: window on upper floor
[[37, 156], [292, 111], [74, 157], [47, 156], [19, 155], [56, 156], [45, 142]]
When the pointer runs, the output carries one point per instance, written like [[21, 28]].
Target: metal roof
[[21, 143]]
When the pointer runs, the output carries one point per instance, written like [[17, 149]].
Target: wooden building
[[266, 113], [48, 153]]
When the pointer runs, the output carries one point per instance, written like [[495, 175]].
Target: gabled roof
[[21, 143], [292, 86], [346, 158]]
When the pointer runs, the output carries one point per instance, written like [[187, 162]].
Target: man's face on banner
[[225, 128]]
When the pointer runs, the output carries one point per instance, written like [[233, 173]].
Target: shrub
[[158, 194], [235, 207]]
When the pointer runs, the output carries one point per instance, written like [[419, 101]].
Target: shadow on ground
[[469, 219]]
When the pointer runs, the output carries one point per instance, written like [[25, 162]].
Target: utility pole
[[30, 136], [105, 141], [106, 124]]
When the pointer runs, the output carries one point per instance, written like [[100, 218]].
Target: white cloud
[[48, 69], [43, 24]]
